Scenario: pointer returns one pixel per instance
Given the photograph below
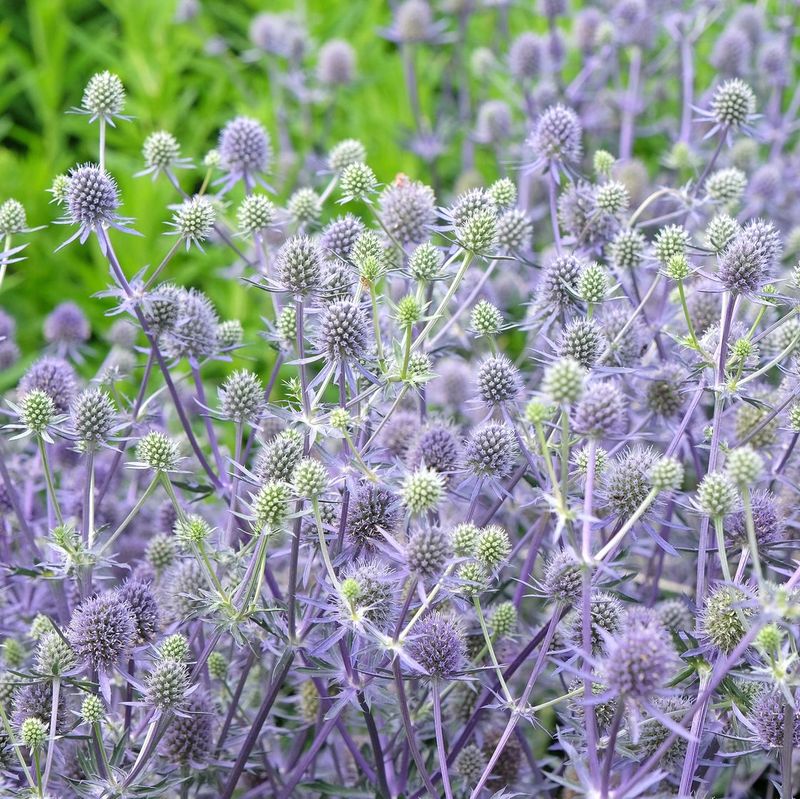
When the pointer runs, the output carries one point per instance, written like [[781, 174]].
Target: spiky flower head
[[593, 283], [142, 601], [54, 655], [726, 185], [66, 326], [299, 265], [244, 148], [514, 230], [733, 103], [464, 537], [358, 182], [337, 63], [343, 331], [341, 234], [558, 286], [408, 210], [413, 20], [33, 733], [601, 410], [602, 163], [161, 151], [304, 206], [409, 311], [664, 392], [270, 505], [746, 263], [437, 447], [104, 96], [498, 380], [92, 414], [769, 523], [427, 551], [92, 198], [717, 495], [526, 56], [491, 450], [374, 512], [563, 381], [161, 307], [724, 620], [438, 645], [478, 233], [640, 659], [188, 739], [627, 480], [582, 342], [666, 474], [194, 334], [600, 460], [93, 710], [192, 530], [102, 630], [217, 666], [563, 578], [768, 720], [160, 552], [670, 241], [157, 451], [241, 397], [722, 229], [606, 615], [469, 764], [744, 466], [422, 490], [492, 547], [58, 189], [557, 135], [280, 456], [286, 324], [627, 248], [37, 410], [612, 197], [167, 683], [12, 217], [175, 647], [255, 214], [345, 153], [230, 334], [675, 614], [425, 262], [504, 620], [310, 478], [486, 319], [503, 193], [194, 220]]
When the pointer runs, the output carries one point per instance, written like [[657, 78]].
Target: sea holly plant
[[499, 497]]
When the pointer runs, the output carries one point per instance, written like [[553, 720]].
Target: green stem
[[13, 741], [323, 547], [564, 454], [488, 639], [130, 517], [751, 535], [462, 270], [51, 738], [723, 556], [623, 531], [49, 478], [687, 316]]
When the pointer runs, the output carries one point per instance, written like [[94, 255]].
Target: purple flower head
[[245, 151], [438, 645]]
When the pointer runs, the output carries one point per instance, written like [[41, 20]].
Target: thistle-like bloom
[[427, 551], [162, 153], [556, 139], [92, 200], [336, 63], [491, 451], [188, 739], [245, 151], [438, 646], [408, 210], [103, 98], [374, 512], [241, 397], [102, 630], [194, 221], [343, 331]]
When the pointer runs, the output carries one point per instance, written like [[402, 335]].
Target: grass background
[[50, 48]]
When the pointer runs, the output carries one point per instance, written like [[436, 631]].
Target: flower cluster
[[515, 448]]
